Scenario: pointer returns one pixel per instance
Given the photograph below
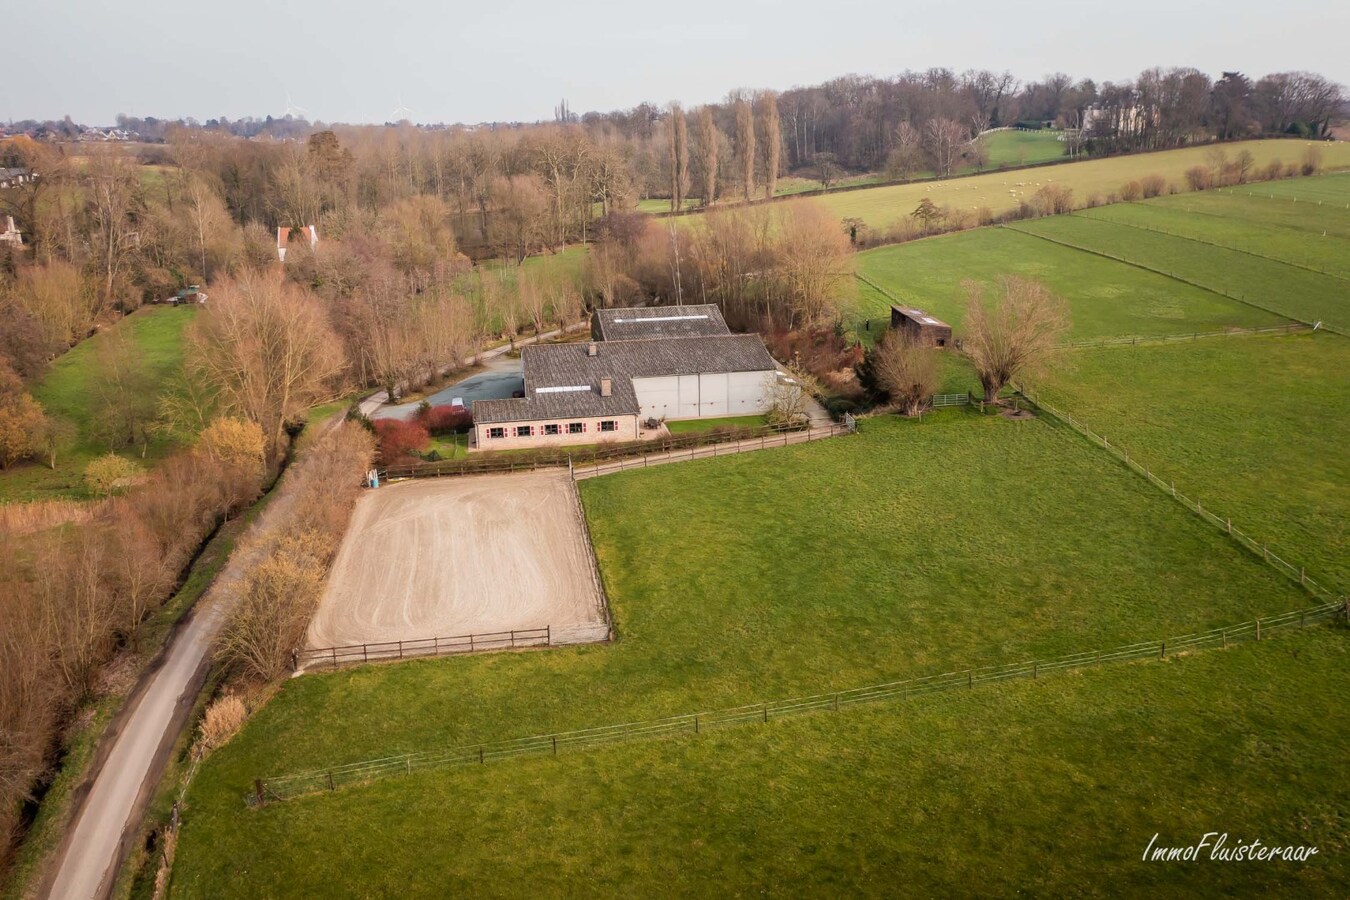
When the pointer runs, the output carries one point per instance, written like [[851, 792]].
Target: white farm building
[[644, 365]]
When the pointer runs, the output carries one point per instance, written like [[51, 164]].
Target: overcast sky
[[507, 60]]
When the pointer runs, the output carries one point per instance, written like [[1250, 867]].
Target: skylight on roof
[[660, 319], [567, 389]]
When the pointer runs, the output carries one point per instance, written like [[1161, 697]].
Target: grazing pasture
[[1107, 299], [1285, 289], [1000, 191], [72, 390], [848, 803], [1255, 427]]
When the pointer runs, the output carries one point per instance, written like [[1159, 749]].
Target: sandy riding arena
[[459, 556]]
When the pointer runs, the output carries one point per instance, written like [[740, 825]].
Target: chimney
[[606, 387], [591, 349]]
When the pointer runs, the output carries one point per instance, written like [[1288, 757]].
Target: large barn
[[667, 363]]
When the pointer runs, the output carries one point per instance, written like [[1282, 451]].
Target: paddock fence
[[286, 787], [582, 458], [1294, 572], [1136, 340], [1239, 297], [352, 654]]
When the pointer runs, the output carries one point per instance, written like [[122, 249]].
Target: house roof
[[563, 381], [644, 322]]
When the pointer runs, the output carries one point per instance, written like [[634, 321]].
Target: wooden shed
[[921, 326]]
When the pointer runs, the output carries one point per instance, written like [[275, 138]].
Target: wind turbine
[[401, 112], [293, 110]]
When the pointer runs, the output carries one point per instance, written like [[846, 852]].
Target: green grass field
[[953, 541], [1020, 148], [69, 390], [998, 191], [1296, 292], [1256, 427], [1052, 788], [1106, 298], [691, 425]]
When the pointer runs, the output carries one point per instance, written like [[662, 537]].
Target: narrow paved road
[[156, 713]]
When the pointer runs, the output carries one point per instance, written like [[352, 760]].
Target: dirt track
[[468, 555]]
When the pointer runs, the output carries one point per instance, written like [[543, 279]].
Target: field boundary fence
[[1083, 214], [718, 449], [1135, 340], [1240, 298], [286, 787], [580, 459], [1294, 572], [306, 658]]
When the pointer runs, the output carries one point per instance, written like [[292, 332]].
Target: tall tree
[[745, 144], [771, 139], [1017, 336], [679, 157], [708, 137]]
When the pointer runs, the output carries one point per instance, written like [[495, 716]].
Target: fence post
[[480, 754], [1035, 670], [258, 786], [330, 781], [555, 745], [766, 712], [1162, 650], [695, 724], [1258, 628], [1302, 576], [1225, 638]]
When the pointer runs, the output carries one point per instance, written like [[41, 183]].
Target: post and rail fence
[[630, 455], [333, 657], [286, 787], [1296, 573]]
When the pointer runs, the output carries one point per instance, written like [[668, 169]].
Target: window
[[575, 427], [524, 431], [609, 425], [552, 429], [496, 432]]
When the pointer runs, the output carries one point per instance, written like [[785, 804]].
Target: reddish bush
[[822, 352], [398, 438], [445, 419]]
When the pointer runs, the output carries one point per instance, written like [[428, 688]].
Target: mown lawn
[[1106, 298], [69, 390], [689, 425], [911, 548], [998, 191], [1270, 204], [1255, 427], [1046, 788], [1020, 148], [1296, 292]]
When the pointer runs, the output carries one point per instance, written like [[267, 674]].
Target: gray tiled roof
[[646, 322], [569, 365]]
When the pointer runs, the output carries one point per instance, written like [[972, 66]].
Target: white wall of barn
[[708, 396]]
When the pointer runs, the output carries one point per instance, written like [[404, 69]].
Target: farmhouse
[[610, 390], [284, 238], [920, 326], [13, 177]]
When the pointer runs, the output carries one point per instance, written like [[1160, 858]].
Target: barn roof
[[563, 380], [645, 322], [918, 315]]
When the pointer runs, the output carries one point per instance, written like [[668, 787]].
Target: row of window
[[549, 430]]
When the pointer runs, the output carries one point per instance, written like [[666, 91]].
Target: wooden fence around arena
[[352, 654], [285, 787]]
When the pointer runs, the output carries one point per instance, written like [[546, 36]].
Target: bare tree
[[771, 139], [265, 347], [907, 370], [707, 148], [745, 144], [679, 157], [1017, 336], [944, 138]]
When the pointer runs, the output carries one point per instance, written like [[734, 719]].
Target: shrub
[[223, 718], [235, 442], [1312, 160], [398, 439], [21, 419], [445, 419], [1197, 177], [1131, 190], [1272, 170], [1053, 199], [109, 473], [1153, 185]]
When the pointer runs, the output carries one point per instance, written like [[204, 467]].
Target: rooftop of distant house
[[642, 323]]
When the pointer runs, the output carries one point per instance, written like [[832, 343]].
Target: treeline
[[71, 597]]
